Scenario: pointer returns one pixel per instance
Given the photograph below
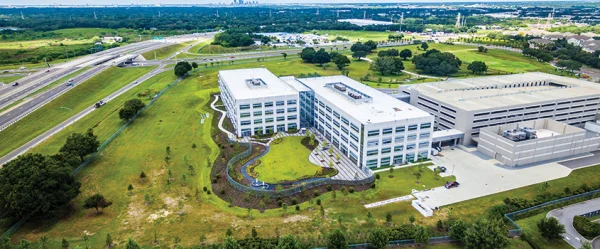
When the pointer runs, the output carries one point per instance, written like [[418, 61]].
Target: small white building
[[112, 39]]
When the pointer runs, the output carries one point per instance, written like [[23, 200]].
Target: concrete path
[[565, 217]]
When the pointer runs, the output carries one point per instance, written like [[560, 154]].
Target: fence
[[513, 215], [22, 221], [305, 185], [406, 242], [590, 214]]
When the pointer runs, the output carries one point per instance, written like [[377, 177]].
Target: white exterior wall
[[262, 117]]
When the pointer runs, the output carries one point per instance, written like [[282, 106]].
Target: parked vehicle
[[450, 185], [442, 169]]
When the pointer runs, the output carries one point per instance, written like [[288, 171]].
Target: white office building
[[370, 127], [258, 102]]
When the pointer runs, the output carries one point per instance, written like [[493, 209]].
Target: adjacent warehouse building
[[535, 141], [468, 105], [369, 127]]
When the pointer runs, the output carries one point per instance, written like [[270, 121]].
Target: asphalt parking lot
[[583, 162], [480, 175]]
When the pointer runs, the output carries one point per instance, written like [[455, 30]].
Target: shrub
[[294, 201], [319, 202], [372, 185], [316, 193], [351, 190], [204, 188], [585, 227], [377, 176], [297, 208], [328, 187], [208, 192]]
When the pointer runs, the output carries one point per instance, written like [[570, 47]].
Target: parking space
[[480, 175]]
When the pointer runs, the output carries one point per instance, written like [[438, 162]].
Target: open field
[[174, 121], [77, 99], [286, 161]]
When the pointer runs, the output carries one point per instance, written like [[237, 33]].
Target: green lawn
[[164, 52], [529, 226], [77, 99], [11, 78], [286, 161]]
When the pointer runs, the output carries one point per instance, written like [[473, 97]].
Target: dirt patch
[[160, 214], [296, 218]]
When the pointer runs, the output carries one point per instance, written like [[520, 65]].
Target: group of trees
[[37, 185], [388, 62], [233, 39], [321, 57], [569, 56], [360, 50], [477, 67], [183, 67], [131, 108], [437, 63]]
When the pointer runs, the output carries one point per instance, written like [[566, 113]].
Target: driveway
[[565, 217], [480, 175], [583, 162]]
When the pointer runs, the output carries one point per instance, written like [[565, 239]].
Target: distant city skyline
[[147, 2]]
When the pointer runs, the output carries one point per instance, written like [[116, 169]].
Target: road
[[565, 217]]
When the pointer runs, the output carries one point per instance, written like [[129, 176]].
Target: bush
[[372, 185], [297, 208], [351, 190], [319, 202], [204, 188], [316, 193], [294, 201], [585, 227], [377, 176]]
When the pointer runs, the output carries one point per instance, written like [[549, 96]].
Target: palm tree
[[44, 242]]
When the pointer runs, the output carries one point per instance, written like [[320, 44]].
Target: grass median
[[76, 99]]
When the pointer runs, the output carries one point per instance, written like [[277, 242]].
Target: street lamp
[[72, 117]]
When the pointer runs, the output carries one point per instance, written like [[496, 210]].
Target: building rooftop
[[540, 128], [363, 103], [255, 83], [495, 92]]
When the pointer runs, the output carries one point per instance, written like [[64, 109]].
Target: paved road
[[24, 148], [583, 162], [565, 217]]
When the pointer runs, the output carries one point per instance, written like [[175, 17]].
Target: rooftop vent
[[255, 83]]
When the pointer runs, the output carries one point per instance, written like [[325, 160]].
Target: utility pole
[[365, 15], [22, 17], [95, 17]]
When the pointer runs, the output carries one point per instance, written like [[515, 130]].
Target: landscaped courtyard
[[287, 160]]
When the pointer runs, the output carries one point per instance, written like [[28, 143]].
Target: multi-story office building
[[258, 102], [468, 105], [370, 127]]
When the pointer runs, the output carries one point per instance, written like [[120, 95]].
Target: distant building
[[112, 39], [365, 22]]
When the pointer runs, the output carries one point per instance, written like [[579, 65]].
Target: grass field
[[11, 78], [286, 161], [529, 226], [77, 99], [174, 121]]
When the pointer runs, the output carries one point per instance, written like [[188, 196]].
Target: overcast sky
[[142, 2]]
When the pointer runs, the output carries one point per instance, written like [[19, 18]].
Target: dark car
[[451, 185], [442, 169], [15, 84]]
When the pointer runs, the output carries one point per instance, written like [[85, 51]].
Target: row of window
[[268, 120], [259, 130], [267, 104], [388, 131], [538, 106], [386, 161], [267, 112]]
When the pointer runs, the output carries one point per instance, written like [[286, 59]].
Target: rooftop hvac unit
[[339, 87], [354, 95]]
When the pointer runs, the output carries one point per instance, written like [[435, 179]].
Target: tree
[[412, 219], [65, 244], [437, 63], [130, 109], [96, 201], [422, 235], [340, 61], [424, 46], [337, 240], [321, 57], [359, 46], [457, 230], [486, 234], [24, 244], [109, 240], [142, 176], [284, 55], [390, 52], [308, 54], [379, 239], [387, 65], [44, 242], [359, 54], [388, 217], [131, 244], [35, 184], [182, 68], [230, 243], [288, 242], [586, 245], [477, 67], [544, 57], [569, 65], [194, 65], [550, 228], [81, 145], [405, 53], [371, 45]]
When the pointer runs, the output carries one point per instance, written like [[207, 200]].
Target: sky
[[145, 2]]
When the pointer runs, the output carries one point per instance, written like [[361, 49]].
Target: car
[[450, 185], [47, 71], [99, 104], [15, 84], [70, 80], [441, 169], [232, 57], [69, 83]]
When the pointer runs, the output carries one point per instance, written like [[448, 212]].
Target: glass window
[[279, 111], [336, 132], [335, 114], [354, 127], [258, 121], [353, 146], [372, 143], [292, 117], [400, 129], [321, 112], [244, 107], [345, 139], [245, 122], [385, 161], [399, 148], [280, 118], [423, 144], [257, 105], [269, 112], [425, 125], [269, 120], [292, 109], [291, 102], [387, 131], [280, 103], [373, 133], [345, 121], [412, 127], [268, 104], [322, 104], [410, 146], [372, 152], [321, 120], [292, 126], [258, 113], [354, 137], [244, 114], [399, 139], [411, 137], [372, 163], [328, 108], [344, 129], [336, 123], [328, 125], [386, 141], [425, 135], [327, 117], [386, 150]]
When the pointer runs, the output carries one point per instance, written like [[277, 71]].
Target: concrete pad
[[480, 175]]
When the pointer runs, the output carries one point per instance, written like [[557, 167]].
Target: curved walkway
[[565, 216]]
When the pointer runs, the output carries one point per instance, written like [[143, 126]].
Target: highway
[[565, 216]]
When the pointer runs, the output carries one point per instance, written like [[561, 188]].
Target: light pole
[[72, 117]]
